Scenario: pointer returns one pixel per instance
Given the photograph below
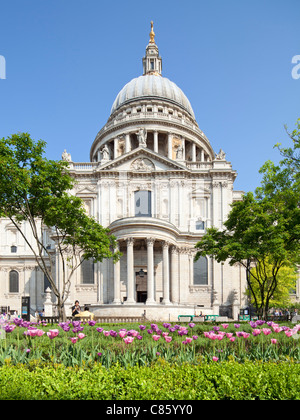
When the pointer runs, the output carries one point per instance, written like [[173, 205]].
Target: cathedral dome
[[155, 87]]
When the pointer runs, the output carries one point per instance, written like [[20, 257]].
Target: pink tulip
[[168, 339], [81, 336], [288, 333], [273, 340], [215, 359], [74, 339], [40, 333], [156, 337], [232, 339], [266, 331], [52, 333], [122, 334], [164, 334], [128, 340], [188, 339], [277, 329], [32, 333], [225, 326], [229, 335], [133, 333], [256, 332], [106, 333]]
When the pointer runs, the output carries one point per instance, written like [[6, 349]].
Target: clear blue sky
[[66, 60]]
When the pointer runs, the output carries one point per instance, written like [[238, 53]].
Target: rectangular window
[[87, 272], [201, 271], [142, 203], [200, 225], [13, 282]]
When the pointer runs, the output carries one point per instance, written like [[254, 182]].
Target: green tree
[[286, 281], [36, 190], [263, 230], [254, 233]]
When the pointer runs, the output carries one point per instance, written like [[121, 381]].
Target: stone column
[[130, 272], [127, 143], [170, 136], [117, 291], [150, 271], [235, 305], [193, 152], [174, 275], [116, 143], [166, 277], [155, 137], [215, 304], [202, 155]]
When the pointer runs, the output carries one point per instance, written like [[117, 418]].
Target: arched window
[[13, 249], [200, 271], [87, 272], [13, 281]]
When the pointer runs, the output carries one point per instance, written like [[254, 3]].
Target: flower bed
[[77, 343]]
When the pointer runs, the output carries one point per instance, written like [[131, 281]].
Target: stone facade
[[156, 182]]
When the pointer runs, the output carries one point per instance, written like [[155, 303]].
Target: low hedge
[[162, 381]]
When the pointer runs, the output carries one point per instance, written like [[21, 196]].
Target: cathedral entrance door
[[141, 287]]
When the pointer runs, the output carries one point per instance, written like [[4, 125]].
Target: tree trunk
[[61, 310]]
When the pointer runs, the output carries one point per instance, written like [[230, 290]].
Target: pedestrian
[[76, 308]]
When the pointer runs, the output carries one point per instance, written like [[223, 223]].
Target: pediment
[[142, 160], [85, 190]]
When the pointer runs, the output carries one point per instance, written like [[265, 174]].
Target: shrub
[[161, 381]]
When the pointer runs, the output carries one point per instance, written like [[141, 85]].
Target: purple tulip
[[9, 328]]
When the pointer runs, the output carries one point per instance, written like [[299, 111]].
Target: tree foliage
[[37, 191]]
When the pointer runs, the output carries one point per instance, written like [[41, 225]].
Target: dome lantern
[[152, 62]]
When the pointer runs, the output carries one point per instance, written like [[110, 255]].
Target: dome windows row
[[152, 110]]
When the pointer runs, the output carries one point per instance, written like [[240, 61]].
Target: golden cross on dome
[[152, 34]]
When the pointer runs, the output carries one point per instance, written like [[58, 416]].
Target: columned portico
[[166, 277], [117, 290], [130, 272], [150, 268]]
